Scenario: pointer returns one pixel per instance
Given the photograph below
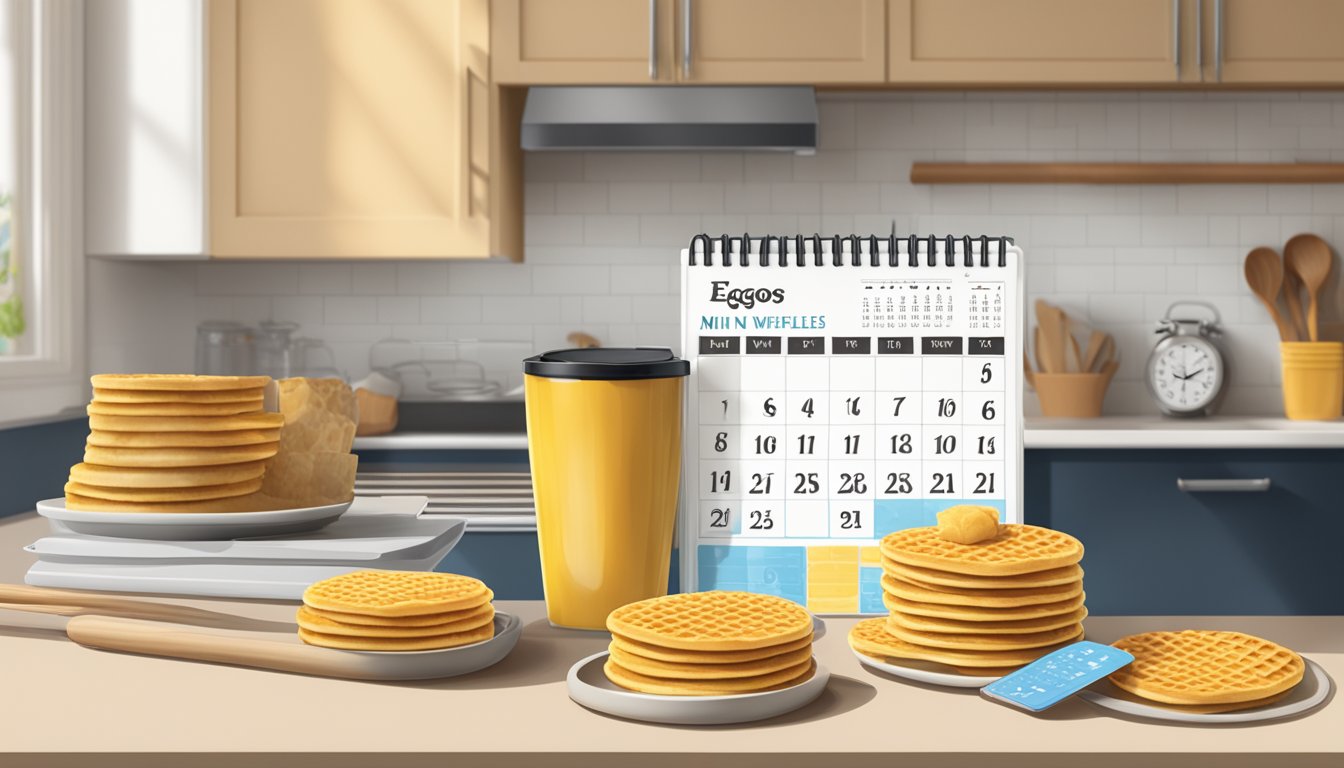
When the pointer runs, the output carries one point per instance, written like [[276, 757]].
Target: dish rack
[[452, 371]]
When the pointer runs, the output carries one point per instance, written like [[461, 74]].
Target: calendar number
[[760, 520], [987, 411], [769, 409], [765, 444], [852, 483], [901, 444], [721, 442], [945, 444], [984, 482], [898, 482], [986, 445], [725, 408], [852, 405], [852, 444], [808, 408], [986, 374], [718, 518], [942, 483], [761, 482], [851, 519], [807, 482], [947, 407], [898, 401], [807, 444], [721, 481]]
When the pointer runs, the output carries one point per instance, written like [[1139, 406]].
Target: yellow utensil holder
[[1313, 379]]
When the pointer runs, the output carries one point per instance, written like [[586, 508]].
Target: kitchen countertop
[[1106, 432], [68, 703]]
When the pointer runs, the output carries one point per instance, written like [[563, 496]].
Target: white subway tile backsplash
[[602, 230]]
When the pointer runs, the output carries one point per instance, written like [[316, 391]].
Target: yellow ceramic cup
[[1313, 379], [604, 434]]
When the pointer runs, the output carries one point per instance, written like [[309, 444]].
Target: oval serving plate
[[923, 672], [188, 526], [589, 687]]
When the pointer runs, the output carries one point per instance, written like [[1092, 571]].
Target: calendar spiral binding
[[896, 247]]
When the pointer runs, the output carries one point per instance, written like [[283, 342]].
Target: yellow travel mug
[[604, 437]]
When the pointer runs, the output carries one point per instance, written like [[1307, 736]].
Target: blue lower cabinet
[[1155, 549]]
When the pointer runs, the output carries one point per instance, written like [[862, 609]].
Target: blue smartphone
[[1051, 679]]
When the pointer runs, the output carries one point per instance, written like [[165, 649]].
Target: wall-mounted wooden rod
[[1127, 173]]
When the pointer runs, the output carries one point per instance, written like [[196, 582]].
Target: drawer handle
[[1230, 485]]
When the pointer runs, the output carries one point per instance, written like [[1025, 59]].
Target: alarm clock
[[1186, 372]]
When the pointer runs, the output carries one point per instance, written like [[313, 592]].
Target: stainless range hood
[[671, 118]]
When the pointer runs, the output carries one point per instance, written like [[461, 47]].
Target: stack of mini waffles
[[174, 443], [396, 611], [975, 595], [710, 643], [1205, 672]]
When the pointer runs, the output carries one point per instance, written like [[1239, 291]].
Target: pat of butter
[[968, 523]]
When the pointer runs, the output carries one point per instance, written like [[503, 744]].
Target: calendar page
[[832, 404]]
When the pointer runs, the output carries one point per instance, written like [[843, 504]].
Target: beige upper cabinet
[[634, 42], [1040, 41], [781, 41], [537, 42], [359, 129], [1274, 41]]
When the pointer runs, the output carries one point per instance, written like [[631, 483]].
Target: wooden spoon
[[1292, 297], [1264, 274], [1310, 258], [1050, 321], [1097, 343]]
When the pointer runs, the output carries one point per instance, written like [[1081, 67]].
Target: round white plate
[[427, 665], [188, 526], [923, 672], [1306, 695], [589, 686]]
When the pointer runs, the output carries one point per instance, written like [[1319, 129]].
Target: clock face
[[1186, 374]]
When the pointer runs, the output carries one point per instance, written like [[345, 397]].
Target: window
[[41, 243]]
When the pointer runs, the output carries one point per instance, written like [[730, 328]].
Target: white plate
[[187, 526], [428, 665], [589, 686], [1306, 695], [923, 672]]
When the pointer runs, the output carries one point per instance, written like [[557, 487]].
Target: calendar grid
[[832, 405]]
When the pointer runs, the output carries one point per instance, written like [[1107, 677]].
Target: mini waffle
[[1204, 668], [969, 613], [175, 381], [158, 495], [706, 657], [871, 638], [236, 437], [1017, 549], [266, 420], [396, 593], [980, 598], [712, 621], [165, 477], [178, 457], [100, 408], [738, 685], [984, 642], [422, 620], [935, 578], [694, 671], [313, 621], [435, 642], [177, 396], [931, 624]]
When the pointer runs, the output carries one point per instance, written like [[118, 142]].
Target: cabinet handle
[[1224, 485], [1176, 36], [653, 39], [1199, 38], [685, 39], [1218, 41]]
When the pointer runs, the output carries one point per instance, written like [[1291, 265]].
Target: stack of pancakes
[[173, 443], [709, 643], [1206, 672], [396, 611], [984, 607]]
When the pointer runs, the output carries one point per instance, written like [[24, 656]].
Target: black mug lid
[[609, 363]]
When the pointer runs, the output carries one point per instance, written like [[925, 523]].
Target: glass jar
[[274, 348], [223, 348]]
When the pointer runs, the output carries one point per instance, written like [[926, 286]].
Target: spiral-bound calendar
[[842, 388]]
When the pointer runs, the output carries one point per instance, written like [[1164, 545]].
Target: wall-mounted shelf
[[1127, 173]]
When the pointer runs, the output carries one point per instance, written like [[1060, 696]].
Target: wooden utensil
[[1073, 355], [1100, 350], [1310, 259], [1026, 370], [1292, 299], [1036, 349], [72, 602], [1264, 274], [1050, 321]]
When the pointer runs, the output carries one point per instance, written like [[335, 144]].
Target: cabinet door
[[781, 41], [349, 128], [1038, 41], [581, 41], [1152, 548], [1275, 41]]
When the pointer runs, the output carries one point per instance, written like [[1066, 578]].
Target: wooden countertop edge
[[659, 760]]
